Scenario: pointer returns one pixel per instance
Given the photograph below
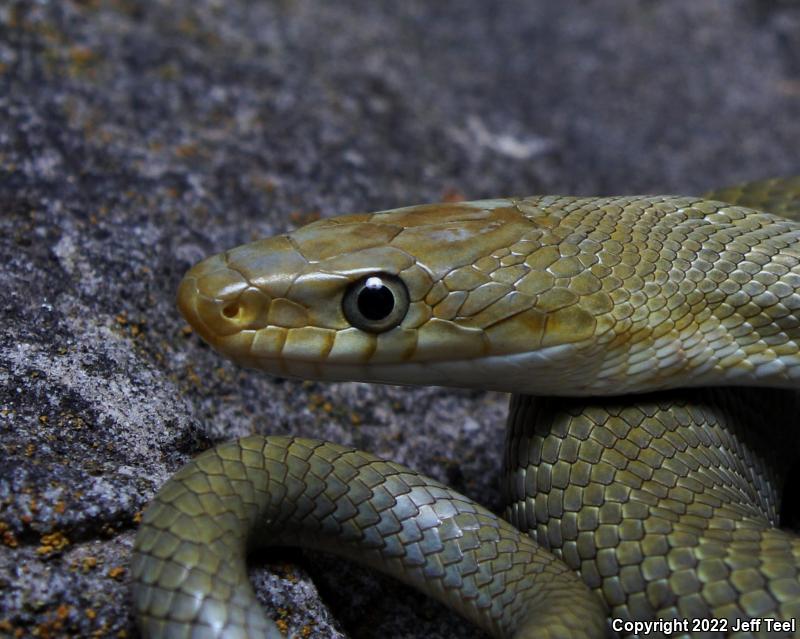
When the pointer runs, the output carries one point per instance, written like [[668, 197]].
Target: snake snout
[[219, 301]]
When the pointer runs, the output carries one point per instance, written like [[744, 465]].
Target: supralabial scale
[[651, 346]]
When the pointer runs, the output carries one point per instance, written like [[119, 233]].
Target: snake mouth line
[[537, 372]]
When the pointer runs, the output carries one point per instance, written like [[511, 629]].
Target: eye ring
[[376, 303]]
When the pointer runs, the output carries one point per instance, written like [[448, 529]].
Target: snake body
[[615, 322]]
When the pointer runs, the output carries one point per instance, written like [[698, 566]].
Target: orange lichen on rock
[[52, 543]]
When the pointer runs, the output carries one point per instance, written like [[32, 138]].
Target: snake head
[[455, 294]]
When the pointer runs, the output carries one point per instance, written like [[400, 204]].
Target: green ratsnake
[[650, 488]]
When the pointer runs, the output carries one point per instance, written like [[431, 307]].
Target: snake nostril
[[231, 310]]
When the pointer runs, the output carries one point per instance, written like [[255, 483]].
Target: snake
[[651, 347]]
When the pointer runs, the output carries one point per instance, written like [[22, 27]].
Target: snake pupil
[[375, 301]]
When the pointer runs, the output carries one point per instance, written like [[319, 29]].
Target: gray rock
[[137, 137]]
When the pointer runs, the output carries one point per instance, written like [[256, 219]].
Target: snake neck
[[720, 307]]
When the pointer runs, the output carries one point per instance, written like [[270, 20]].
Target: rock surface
[[138, 137]]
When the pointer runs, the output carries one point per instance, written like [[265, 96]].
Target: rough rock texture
[[137, 137]]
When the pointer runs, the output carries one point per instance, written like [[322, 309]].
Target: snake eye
[[376, 303]]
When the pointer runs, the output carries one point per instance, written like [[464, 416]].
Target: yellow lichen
[[117, 572], [7, 535], [52, 543], [89, 563]]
